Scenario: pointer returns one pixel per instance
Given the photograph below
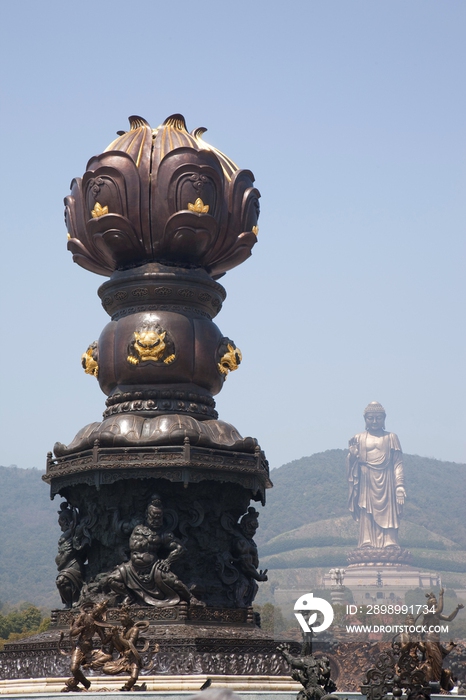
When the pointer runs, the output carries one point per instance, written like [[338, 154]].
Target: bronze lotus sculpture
[[156, 512], [162, 195], [164, 215]]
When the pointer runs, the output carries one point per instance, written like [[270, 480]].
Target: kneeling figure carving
[[146, 578]]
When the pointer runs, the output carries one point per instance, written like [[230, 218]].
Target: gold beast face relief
[[90, 360], [230, 357], [150, 345]]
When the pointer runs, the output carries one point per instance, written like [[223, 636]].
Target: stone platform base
[[370, 583], [169, 686], [373, 556], [215, 642]]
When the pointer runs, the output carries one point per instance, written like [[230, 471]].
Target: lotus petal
[[132, 204]]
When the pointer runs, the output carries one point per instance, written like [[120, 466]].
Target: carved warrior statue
[[247, 558], [72, 553], [164, 215], [376, 481], [123, 640], [146, 577], [312, 672], [120, 639], [433, 651], [89, 622], [238, 567]]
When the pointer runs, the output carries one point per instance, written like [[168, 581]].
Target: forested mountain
[[28, 538], [306, 528], [305, 524], [315, 488]]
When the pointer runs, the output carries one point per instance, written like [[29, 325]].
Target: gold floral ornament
[[90, 360], [230, 359], [255, 230], [99, 210], [199, 207], [148, 345]]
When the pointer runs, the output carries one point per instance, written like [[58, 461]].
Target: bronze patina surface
[[164, 215], [156, 511], [313, 671]]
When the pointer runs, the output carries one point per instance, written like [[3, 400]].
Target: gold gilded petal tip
[[255, 230], [176, 121], [199, 207], [99, 210], [136, 123]]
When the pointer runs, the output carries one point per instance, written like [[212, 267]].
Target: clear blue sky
[[351, 114]]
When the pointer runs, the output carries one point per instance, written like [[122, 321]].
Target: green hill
[[344, 531], [314, 489], [335, 556], [304, 529], [28, 542]]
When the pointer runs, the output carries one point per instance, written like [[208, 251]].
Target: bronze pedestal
[[157, 511]]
